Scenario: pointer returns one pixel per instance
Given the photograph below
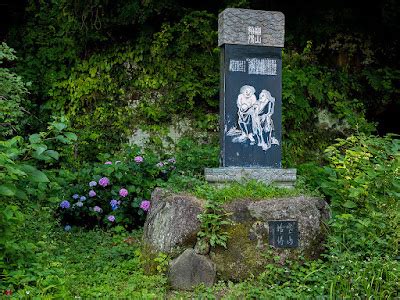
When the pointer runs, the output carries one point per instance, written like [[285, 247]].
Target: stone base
[[278, 177]]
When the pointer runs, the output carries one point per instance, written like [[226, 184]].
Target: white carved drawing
[[254, 118]]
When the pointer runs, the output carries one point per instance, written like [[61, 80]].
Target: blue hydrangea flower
[[65, 204], [79, 203], [75, 196], [67, 228], [114, 204], [83, 198], [92, 183]]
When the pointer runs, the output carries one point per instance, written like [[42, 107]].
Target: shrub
[[13, 94], [114, 192], [23, 184], [361, 182]]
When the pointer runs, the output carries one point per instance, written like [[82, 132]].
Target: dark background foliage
[[92, 61], [354, 34]]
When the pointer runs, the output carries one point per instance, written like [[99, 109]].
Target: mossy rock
[[248, 250]]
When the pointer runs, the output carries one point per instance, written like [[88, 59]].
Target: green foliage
[[179, 69], [67, 265], [362, 182], [212, 223], [319, 104], [162, 260], [340, 278], [13, 96], [193, 156], [108, 94], [22, 183]]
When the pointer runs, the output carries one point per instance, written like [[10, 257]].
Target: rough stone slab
[[234, 23], [191, 269], [172, 221], [280, 177]]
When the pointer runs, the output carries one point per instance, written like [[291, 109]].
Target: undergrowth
[[81, 264]]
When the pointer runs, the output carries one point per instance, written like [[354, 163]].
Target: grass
[[251, 189], [83, 264]]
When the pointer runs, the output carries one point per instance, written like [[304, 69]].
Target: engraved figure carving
[[254, 118]]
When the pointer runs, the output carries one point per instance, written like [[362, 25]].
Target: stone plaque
[[251, 87], [283, 234]]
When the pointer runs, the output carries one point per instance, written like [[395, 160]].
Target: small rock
[[191, 269]]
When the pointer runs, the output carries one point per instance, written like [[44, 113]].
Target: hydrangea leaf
[[7, 190]]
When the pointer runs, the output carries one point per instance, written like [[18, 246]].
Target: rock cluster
[[172, 225]]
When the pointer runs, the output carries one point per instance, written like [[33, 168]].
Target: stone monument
[[251, 43]]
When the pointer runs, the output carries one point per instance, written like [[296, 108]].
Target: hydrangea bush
[[113, 192]]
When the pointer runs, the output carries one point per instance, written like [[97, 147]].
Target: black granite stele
[[251, 43], [245, 154]]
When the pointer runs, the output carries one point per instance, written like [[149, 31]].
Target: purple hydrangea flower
[[172, 160], [123, 192], [104, 181], [67, 228], [145, 205], [82, 198], [75, 196], [111, 218], [65, 204], [92, 193], [160, 164], [92, 183], [138, 159], [108, 163], [97, 209], [79, 204]]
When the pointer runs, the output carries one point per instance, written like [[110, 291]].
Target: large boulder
[[172, 222], [248, 249]]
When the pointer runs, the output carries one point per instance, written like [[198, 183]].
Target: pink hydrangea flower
[[111, 218], [138, 159], [108, 163], [123, 192], [104, 181], [92, 193], [145, 205]]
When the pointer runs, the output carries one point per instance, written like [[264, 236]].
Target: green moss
[[242, 258]]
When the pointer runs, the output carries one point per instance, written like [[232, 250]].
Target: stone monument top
[[251, 27]]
